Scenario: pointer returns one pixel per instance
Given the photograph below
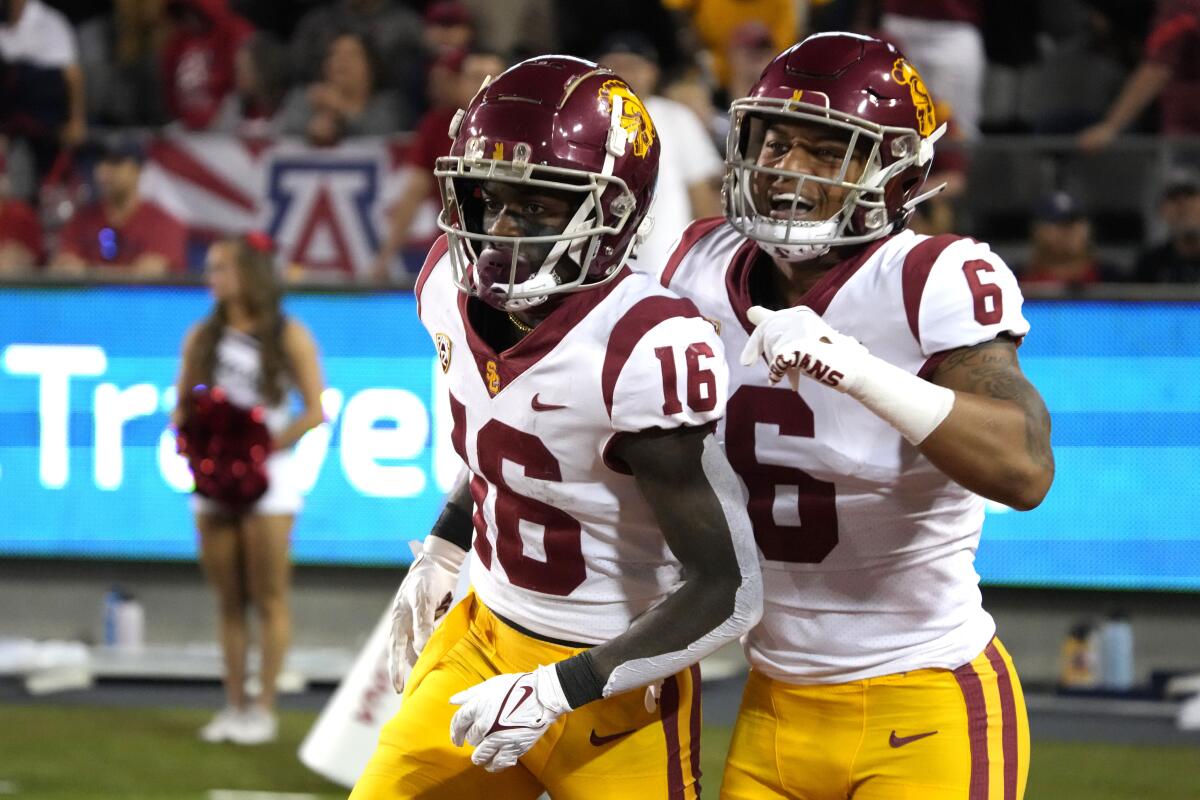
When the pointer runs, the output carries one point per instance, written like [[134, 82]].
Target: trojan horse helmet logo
[[634, 119], [905, 73]]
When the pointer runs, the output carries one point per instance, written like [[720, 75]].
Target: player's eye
[[828, 153], [777, 148], [533, 209], [492, 205]]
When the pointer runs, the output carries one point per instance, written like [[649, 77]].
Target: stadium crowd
[[1099, 88]]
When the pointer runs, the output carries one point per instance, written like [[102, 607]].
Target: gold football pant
[[608, 749], [930, 734]]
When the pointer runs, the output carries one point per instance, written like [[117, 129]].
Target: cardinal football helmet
[[874, 99], [552, 123]]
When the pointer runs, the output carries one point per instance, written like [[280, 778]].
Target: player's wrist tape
[[911, 405], [443, 552], [579, 681], [454, 525]]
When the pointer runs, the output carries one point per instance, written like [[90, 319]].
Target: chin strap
[[923, 196]]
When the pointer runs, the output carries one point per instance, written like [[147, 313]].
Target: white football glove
[[423, 599], [796, 341], [504, 716]]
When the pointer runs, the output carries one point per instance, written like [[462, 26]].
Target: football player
[[878, 401], [610, 544]]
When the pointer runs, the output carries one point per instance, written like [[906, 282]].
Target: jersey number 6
[[817, 535]]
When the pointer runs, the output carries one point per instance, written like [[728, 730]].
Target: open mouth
[[788, 205]]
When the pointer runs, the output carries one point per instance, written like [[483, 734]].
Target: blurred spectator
[[198, 58], [120, 232], [20, 231], [119, 54], [346, 91], [580, 26], [448, 27], [1170, 67], [259, 86], [459, 76], [748, 51], [1081, 69], [41, 83], [390, 29], [448, 31], [521, 28], [715, 23], [1062, 252], [691, 88], [689, 171], [943, 41], [1176, 260]]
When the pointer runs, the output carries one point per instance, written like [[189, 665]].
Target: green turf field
[[88, 753]]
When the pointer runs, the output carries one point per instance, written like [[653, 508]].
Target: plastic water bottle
[[130, 628], [112, 601], [1116, 653]]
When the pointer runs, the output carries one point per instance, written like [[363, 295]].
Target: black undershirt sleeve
[[454, 525], [580, 682]]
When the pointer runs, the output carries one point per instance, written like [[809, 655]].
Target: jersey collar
[[498, 370], [818, 296]]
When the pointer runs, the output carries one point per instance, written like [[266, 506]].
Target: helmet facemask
[[516, 273], [770, 215]]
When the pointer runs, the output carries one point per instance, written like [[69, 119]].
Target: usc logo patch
[[905, 73], [634, 119], [493, 377]]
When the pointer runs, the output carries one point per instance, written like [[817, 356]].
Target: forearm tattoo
[[991, 369]]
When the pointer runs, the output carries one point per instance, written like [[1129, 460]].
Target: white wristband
[[911, 405]]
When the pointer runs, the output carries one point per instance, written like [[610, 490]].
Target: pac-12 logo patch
[[444, 348]]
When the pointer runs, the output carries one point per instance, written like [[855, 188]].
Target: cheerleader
[[256, 357]]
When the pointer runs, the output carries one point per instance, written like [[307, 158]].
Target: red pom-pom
[[226, 447]]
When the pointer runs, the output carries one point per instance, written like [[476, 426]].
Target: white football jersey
[[239, 372], [867, 549], [565, 545]]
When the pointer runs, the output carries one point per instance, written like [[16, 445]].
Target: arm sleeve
[[675, 375], [748, 598], [970, 296]]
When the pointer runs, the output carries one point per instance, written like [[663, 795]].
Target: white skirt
[[282, 497]]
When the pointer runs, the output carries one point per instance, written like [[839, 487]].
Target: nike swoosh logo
[[900, 741], [538, 405], [497, 725], [600, 741], [528, 691]]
